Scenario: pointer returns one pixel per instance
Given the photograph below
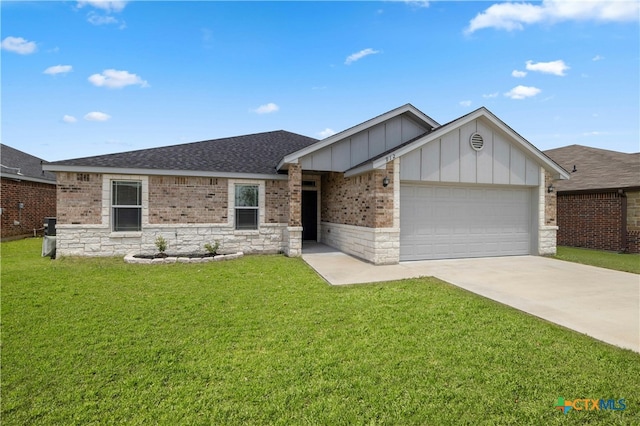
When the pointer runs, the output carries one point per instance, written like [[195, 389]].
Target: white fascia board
[[364, 168], [26, 178], [294, 156], [161, 172], [545, 161]]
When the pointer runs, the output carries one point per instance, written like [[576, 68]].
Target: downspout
[[623, 221]]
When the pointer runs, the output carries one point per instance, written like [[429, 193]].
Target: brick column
[[293, 239], [547, 225]]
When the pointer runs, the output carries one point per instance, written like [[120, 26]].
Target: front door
[[309, 215]]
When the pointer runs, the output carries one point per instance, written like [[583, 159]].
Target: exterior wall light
[[385, 181], [550, 188]]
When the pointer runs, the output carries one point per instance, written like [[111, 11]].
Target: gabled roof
[[381, 160], [596, 169], [257, 154], [17, 164], [407, 109]]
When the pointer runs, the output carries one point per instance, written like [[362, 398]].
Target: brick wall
[[79, 198], [550, 203], [294, 188], [590, 221], [633, 241], [39, 201], [633, 211], [181, 199], [359, 200], [276, 201]]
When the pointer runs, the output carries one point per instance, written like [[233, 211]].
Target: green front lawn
[[602, 259], [263, 340]]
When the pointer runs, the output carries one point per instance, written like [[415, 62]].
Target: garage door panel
[[439, 222]]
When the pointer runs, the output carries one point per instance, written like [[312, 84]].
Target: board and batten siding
[[362, 146], [452, 159]]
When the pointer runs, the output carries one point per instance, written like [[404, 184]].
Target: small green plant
[[161, 244], [212, 249]]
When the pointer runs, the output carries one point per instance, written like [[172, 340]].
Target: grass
[[263, 340], [602, 259]]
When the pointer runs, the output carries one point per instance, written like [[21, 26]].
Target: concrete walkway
[[601, 303]]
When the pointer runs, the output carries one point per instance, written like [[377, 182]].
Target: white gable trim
[[548, 164], [408, 108]]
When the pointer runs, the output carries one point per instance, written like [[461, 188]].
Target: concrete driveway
[[601, 303]]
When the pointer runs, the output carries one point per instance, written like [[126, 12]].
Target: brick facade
[[295, 195], [591, 220], [39, 201], [633, 211], [276, 194], [359, 200], [79, 198], [180, 199], [550, 203]]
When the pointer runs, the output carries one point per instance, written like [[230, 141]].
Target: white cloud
[[522, 92], [554, 67], [106, 5], [518, 74], [417, 3], [18, 45], [514, 16], [326, 133], [69, 119], [359, 55], [465, 103], [597, 58], [97, 116], [58, 69], [491, 95], [97, 19], [115, 79], [266, 108]]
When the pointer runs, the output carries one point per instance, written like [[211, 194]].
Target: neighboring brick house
[[599, 207], [397, 187], [28, 194]]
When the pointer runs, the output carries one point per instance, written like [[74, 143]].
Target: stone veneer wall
[[360, 216], [38, 199], [187, 211]]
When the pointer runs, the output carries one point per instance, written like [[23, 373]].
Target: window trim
[[113, 207], [232, 183]]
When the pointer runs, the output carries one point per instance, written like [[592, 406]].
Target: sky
[[84, 78]]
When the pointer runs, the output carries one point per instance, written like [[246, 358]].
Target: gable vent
[[476, 141]]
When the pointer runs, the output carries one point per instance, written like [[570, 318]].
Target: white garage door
[[442, 222]]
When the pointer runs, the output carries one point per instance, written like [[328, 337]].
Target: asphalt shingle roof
[[29, 165], [256, 154], [596, 168]]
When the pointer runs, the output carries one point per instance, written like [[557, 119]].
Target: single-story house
[[599, 207], [28, 194], [397, 187]]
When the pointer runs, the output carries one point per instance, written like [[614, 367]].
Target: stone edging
[[131, 259]]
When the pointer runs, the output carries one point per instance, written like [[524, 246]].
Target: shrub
[[212, 249], [161, 244]]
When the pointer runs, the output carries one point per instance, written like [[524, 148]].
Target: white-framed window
[[126, 206], [247, 211]]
